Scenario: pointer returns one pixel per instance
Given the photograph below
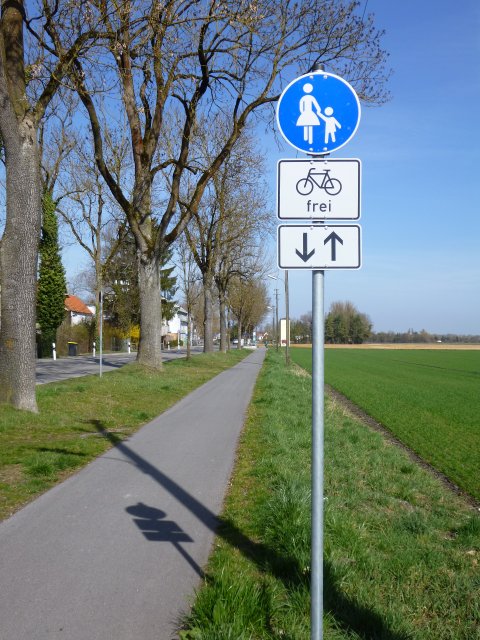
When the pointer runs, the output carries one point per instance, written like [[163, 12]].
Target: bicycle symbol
[[332, 186]]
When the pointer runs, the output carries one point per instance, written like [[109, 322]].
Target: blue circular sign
[[318, 113]]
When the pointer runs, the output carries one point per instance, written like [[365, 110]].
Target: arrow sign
[[305, 256], [333, 238], [322, 246]]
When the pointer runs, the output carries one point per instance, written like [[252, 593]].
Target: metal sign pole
[[101, 333], [318, 247], [318, 377]]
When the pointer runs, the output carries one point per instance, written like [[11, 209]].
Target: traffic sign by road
[[319, 246], [318, 113], [318, 189]]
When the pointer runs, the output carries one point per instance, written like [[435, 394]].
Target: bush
[[79, 333]]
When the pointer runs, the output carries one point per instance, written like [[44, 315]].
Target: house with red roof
[[77, 310]]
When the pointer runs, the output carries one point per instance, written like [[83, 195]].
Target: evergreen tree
[[168, 283], [52, 285], [122, 299]]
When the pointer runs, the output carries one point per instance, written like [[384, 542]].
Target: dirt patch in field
[[12, 474], [300, 372], [429, 345], [359, 414], [423, 345]]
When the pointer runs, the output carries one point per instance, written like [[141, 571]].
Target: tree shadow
[[61, 450], [349, 615]]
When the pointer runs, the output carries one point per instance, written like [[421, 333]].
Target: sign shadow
[[151, 522]]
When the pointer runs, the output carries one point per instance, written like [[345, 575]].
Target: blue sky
[[420, 158]]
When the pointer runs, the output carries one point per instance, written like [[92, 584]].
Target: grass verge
[[401, 553], [38, 451]]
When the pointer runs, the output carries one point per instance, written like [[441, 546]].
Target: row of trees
[[344, 324], [152, 78], [417, 337]]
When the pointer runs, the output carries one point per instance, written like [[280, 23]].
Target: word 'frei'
[[321, 207]]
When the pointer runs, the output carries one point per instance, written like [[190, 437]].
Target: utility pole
[[287, 322], [101, 333], [287, 314], [276, 318]]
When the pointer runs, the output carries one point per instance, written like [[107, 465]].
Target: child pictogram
[[331, 124]]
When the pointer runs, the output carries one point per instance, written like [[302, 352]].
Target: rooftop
[[74, 304]]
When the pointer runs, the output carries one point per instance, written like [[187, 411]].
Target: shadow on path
[[349, 615], [151, 522]]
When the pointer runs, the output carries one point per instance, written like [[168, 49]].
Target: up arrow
[[305, 255], [334, 239]]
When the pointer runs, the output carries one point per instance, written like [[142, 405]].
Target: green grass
[[429, 399], [80, 418], [401, 552]]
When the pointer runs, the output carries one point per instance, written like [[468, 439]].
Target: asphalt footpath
[[116, 551]]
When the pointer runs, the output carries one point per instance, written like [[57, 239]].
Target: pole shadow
[[349, 614]]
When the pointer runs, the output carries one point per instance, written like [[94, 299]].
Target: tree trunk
[[223, 323], [189, 335], [98, 266], [229, 333], [239, 345], [208, 312], [150, 346], [18, 271]]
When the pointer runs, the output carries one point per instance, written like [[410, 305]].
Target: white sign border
[[310, 75], [320, 268], [318, 160]]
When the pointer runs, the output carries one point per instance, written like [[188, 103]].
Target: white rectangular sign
[[319, 246], [318, 189]]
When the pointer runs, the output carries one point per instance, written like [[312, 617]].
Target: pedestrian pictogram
[[318, 113]]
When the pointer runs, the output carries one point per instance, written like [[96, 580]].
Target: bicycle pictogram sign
[[318, 189], [330, 185]]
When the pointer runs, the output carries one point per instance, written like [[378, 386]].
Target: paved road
[[116, 551], [49, 370]]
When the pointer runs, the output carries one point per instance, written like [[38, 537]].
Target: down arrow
[[305, 255], [334, 238]]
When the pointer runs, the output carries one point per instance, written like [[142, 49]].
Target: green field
[[429, 399]]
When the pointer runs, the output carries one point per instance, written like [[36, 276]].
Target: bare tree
[[225, 229], [88, 210], [248, 302], [246, 230], [188, 284], [207, 57]]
